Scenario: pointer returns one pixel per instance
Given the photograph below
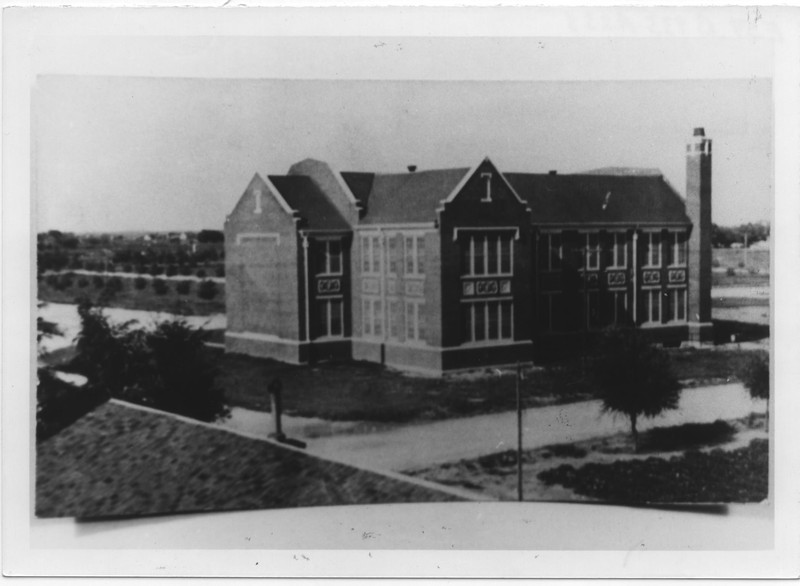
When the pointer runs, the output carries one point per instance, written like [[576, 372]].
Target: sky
[[174, 151]]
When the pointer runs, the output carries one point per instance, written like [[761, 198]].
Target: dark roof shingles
[[580, 199], [403, 197], [303, 195], [122, 461]]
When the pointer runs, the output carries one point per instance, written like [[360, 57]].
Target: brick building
[[446, 269]]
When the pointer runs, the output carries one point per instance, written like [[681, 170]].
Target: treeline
[[725, 236]]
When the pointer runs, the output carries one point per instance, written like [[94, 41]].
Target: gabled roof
[[122, 460], [599, 199], [403, 197], [313, 206]]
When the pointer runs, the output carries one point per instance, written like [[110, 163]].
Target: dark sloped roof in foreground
[[403, 197], [599, 199], [119, 460], [303, 195]]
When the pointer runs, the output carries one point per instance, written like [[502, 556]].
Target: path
[[421, 445]]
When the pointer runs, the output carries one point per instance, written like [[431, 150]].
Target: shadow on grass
[[687, 436]]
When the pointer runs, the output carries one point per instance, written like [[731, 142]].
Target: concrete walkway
[[415, 446]]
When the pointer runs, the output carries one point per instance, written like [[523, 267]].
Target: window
[[593, 309], [592, 251], [371, 317], [550, 252], [550, 312], [619, 251], [371, 254], [676, 305], [652, 306], [653, 253], [330, 258], [487, 320], [618, 307], [330, 317], [486, 254], [395, 318], [415, 321], [677, 249], [415, 255], [395, 249]]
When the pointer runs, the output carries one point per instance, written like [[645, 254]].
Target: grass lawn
[[721, 279], [368, 392], [132, 298]]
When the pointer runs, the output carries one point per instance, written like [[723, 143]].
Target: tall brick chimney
[[698, 208]]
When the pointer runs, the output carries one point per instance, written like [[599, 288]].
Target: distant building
[[455, 268]]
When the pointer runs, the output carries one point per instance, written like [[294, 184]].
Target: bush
[[207, 290], [156, 269], [114, 285], [98, 281], [715, 263], [127, 268], [201, 273], [51, 280], [183, 287], [730, 272], [83, 282], [160, 286], [184, 270], [172, 270], [140, 283], [221, 271], [64, 282], [741, 264]]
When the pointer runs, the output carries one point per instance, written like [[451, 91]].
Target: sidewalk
[[421, 445]]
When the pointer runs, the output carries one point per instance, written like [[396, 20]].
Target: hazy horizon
[[116, 154]]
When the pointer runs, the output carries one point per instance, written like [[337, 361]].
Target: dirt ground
[[496, 475]]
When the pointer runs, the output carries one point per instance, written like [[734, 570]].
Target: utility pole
[[519, 434]]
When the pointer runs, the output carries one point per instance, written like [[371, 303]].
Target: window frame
[[550, 249], [615, 248], [327, 255], [497, 254], [678, 242], [413, 319], [413, 255], [487, 304], [651, 294], [649, 250], [674, 295], [327, 302], [369, 314]]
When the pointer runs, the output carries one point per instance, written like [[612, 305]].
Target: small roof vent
[[553, 172], [412, 168], [699, 132]]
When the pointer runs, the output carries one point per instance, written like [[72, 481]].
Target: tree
[[755, 375], [206, 236], [633, 377], [207, 289]]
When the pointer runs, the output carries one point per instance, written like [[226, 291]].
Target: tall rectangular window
[[365, 254], [652, 305], [592, 251], [550, 312], [330, 317], [415, 320], [619, 251], [395, 318], [487, 320], [653, 253], [395, 248], [371, 316], [677, 249], [676, 305], [550, 259], [330, 258], [618, 306], [415, 255], [486, 254], [593, 309]]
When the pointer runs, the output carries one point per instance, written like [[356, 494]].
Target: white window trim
[[486, 340], [648, 255], [587, 251], [413, 320], [369, 251], [369, 315], [675, 244], [498, 254], [673, 299], [327, 243], [415, 238], [329, 316], [390, 319], [614, 293], [251, 236], [549, 238], [624, 245], [648, 307]]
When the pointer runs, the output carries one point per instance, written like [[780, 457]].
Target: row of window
[[487, 254], [406, 251], [487, 320], [551, 251], [658, 306], [407, 317]]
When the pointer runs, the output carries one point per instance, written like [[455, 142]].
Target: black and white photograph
[[298, 291]]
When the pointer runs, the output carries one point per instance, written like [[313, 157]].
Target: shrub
[[83, 282], [172, 270], [207, 289], [156, 269], [755, 376], [730, 272], [51, 280], [127, 268], [184, 270], [140, 283], [98, 281], [114, 285], [64, 282], [740, 265], [715, 263], [201, 273], [183, 287], [160, 286], [221, 271]]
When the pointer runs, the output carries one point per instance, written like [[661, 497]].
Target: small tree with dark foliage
[[633, 377], [755, 375], [207, 290]]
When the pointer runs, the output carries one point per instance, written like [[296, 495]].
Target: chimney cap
[[412, 168], [552, 172], [699, 131]]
